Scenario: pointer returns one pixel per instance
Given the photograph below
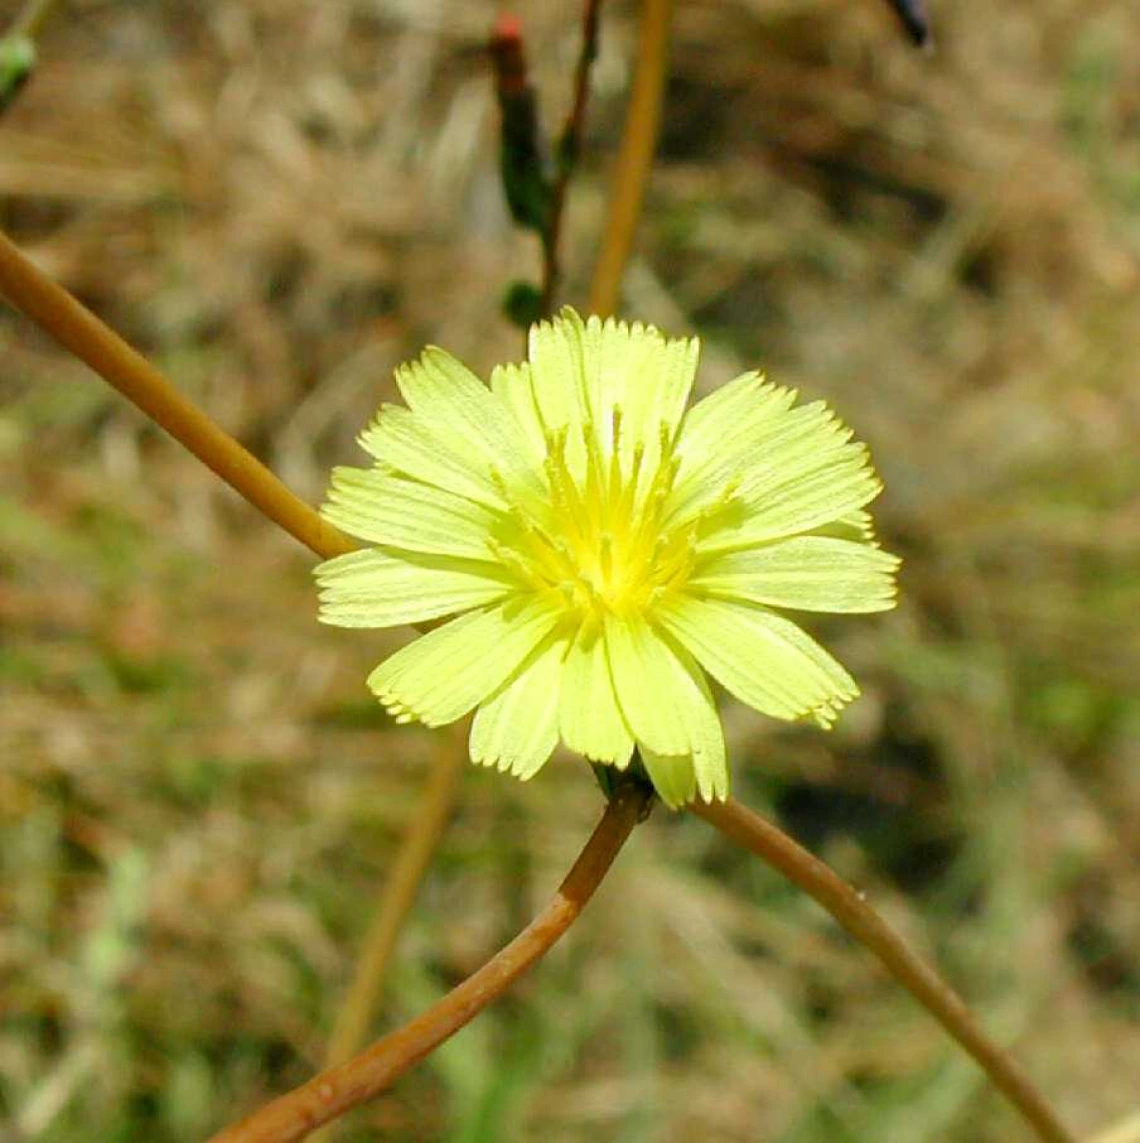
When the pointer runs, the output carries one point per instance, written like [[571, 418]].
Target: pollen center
[[598, 539]]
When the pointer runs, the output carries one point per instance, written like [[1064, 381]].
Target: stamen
[[594, 495], [597, 543], [664, 438], [606, 554]]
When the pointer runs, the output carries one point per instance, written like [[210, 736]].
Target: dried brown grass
[[279, 202]]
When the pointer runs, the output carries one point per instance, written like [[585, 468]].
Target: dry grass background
[[279, 200]]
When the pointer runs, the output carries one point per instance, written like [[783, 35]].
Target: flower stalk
[[849, 907], [336, 1091], [635, 158], [65, 319]]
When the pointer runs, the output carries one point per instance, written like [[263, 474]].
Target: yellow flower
[[601, 548]]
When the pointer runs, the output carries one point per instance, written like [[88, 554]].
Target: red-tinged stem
[[338, 1090], [850, 908]]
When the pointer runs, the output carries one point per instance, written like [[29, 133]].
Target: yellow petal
[[789, 469], [645, 375], [811, 573], [558, 363], [372, 588], [402, 443], [463, 414], [765, 660], [706, 734], [399, 513], [516, 729], [590, 720], [589, 376], [448, 671], [857, 525], [677, 778], [672, 775], [834, 486], [513, 386], [644, 679], [721, 431]]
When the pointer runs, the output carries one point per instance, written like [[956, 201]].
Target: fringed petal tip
[[826, 713], [522, 768], [569, 323], [677, 781]]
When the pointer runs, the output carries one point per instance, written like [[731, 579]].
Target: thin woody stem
[[851, 910], [635, 158], [338, 1090], [79, 331], [362, 999], [569, 147]]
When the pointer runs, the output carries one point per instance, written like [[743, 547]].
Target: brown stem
[[569, 146], [79, 331], [635, 157], [342, 1088], [360, 1003], [850, 909]]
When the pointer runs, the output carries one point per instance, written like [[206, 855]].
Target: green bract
[[601, 549]]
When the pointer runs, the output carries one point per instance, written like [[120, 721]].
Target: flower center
[[598, 540]]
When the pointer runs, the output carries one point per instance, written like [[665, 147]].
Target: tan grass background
[[279, 200]]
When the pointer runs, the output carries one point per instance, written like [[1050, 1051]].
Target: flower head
[[601, 548]]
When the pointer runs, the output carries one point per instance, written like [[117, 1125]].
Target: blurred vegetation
[[278, 201]]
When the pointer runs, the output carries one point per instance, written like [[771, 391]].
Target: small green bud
[[17, 62], [522, 303]]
